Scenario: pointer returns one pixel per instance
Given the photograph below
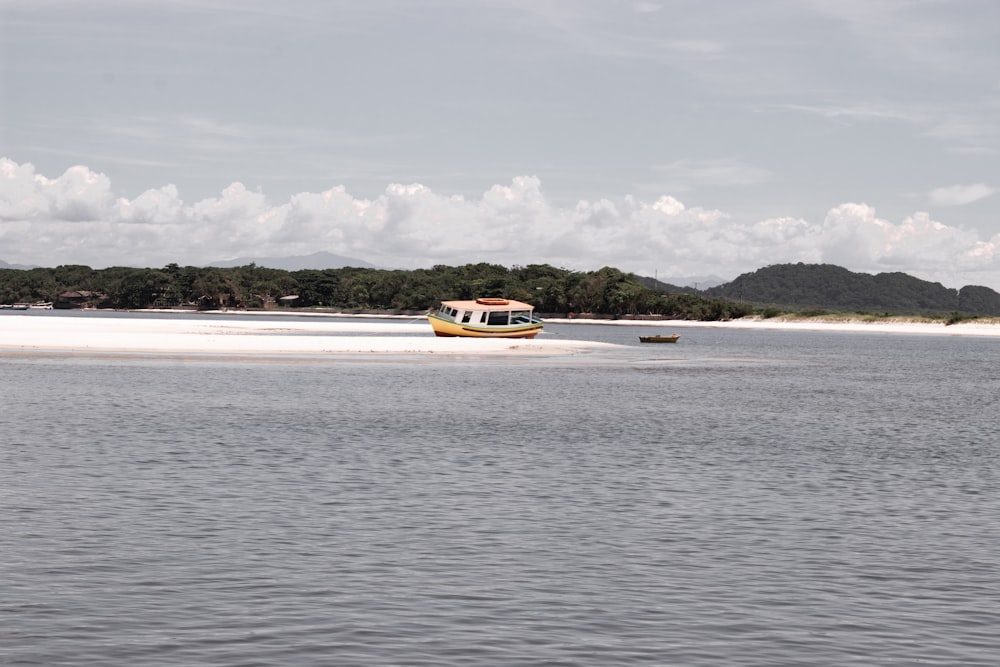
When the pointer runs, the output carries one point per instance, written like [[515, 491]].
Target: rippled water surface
[[740, 498]]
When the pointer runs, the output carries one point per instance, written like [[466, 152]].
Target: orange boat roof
[[508, 304]]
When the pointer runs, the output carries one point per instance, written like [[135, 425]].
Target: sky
[[672, 138]]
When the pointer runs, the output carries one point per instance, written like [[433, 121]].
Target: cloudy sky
[[672, 137]]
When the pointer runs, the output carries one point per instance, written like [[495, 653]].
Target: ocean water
[[739, 498]]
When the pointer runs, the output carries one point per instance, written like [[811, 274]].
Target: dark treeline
[[607, 292]]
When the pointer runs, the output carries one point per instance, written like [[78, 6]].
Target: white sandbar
[[25, 334], [207, 335]]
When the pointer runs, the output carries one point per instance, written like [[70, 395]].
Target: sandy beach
[[205, 335]]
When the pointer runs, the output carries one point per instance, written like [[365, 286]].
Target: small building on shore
[[80, 299]]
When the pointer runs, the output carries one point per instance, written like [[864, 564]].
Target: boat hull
[[448, 329], [659, 339]]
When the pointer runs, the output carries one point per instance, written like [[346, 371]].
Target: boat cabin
[[485, 317], [494, 314]]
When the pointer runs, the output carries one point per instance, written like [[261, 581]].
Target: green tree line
[[606, 292]]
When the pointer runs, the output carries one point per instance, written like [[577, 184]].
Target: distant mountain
[[317, 260], [686, 285], [664, 286], [21, 267], [697, 282], [796, 286]]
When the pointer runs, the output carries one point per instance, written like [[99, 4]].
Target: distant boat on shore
[[38, 305], [659, 339]]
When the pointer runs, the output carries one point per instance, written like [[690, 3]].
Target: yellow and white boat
[[485, 318]]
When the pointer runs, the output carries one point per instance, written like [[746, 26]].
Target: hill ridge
[[830, 286]]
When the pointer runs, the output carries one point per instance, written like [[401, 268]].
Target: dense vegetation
[[551, 290], [608, 292], [793, 287]]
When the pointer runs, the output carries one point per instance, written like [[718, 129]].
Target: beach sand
[[185, 334], [207, 335]]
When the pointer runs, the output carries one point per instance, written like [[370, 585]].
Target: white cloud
[[961, 129], [153, 206], [646, 7], [697, 46], [78, 195], [974, 151], [685, 174], [959, 195], [73, 219], [854, 237], [858, 112]]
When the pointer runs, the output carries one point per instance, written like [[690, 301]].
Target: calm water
[[740, 498]]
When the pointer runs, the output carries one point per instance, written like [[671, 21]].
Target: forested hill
[[797, 286]]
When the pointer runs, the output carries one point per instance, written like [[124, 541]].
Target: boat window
[[499, 317], [482, 317], [466, 316]]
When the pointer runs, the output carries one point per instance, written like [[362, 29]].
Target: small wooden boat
[[659, 339], [485, 318]]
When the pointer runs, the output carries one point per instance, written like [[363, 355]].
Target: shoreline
[[852, 322], [989, 328], [316, 337]]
